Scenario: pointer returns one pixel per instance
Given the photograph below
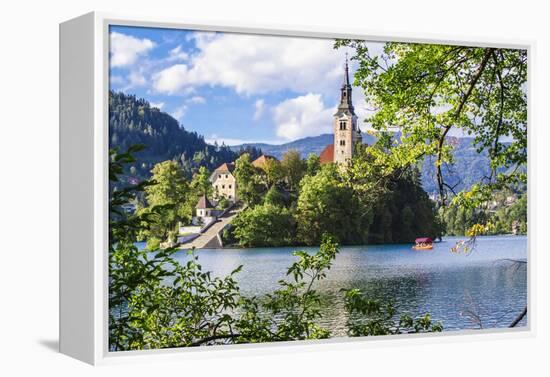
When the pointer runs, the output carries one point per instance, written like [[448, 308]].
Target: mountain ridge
[[469, 167]]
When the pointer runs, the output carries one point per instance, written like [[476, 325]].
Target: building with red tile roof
[[204, 203], [327, 155], [260, 161]]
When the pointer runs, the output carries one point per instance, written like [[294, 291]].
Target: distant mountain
[[305, 146], [469, 168]]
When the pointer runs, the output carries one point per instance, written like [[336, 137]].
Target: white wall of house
[[225, 185], [190, 229]]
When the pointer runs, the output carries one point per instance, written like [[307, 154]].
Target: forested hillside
[[134, 121]]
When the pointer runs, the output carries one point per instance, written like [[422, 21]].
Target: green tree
[[512, 218], [328, 205], [274, 172], [167, 200], [200, 184], [313, 164], [248, 189], [156, 301], [264, 225], [404, 211], [274, 197], [294, 168]]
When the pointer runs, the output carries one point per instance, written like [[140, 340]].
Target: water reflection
[[462, 291]]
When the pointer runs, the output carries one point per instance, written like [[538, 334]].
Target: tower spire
[[346, 74], [346, 132], [345, 92]]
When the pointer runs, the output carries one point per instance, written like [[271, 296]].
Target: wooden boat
[[423, 243]]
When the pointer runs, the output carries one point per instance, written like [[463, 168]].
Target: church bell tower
[[346, 132]]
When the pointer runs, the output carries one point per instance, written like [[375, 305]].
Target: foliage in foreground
[[157, 302], [373, 317]]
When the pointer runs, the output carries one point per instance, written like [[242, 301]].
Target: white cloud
[[196, 100], [172, 79], [126, 49], [136, 78], [259, 106], [117, 80], [302, 116], [253, 64], [176, 54]]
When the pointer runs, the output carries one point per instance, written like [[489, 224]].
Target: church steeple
[[346, 104], [346, 132], [346, 75]]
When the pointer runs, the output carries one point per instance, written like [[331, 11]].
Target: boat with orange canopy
[[423, 243]]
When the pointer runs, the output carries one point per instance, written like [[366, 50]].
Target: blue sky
[[233, 87]]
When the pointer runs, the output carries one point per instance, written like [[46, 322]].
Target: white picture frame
[[84, 53]]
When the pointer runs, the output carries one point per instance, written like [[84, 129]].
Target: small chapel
[[346, 132]]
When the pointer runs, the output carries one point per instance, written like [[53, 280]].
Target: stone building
[[224, 182]]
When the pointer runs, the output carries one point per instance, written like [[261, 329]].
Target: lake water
[[445, 284]]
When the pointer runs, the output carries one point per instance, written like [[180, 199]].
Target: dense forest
[[133, 121]]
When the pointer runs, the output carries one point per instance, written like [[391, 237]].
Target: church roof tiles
[[327, 155]]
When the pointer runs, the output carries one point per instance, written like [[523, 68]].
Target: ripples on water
[[445, 284]]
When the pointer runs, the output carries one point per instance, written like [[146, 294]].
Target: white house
[[205, 210], [224, 182]]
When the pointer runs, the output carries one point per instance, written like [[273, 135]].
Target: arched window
[[342, 125]]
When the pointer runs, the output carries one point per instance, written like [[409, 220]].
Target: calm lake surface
[[438, 281]]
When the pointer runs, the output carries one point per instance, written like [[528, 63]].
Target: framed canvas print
[[233, 188]]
